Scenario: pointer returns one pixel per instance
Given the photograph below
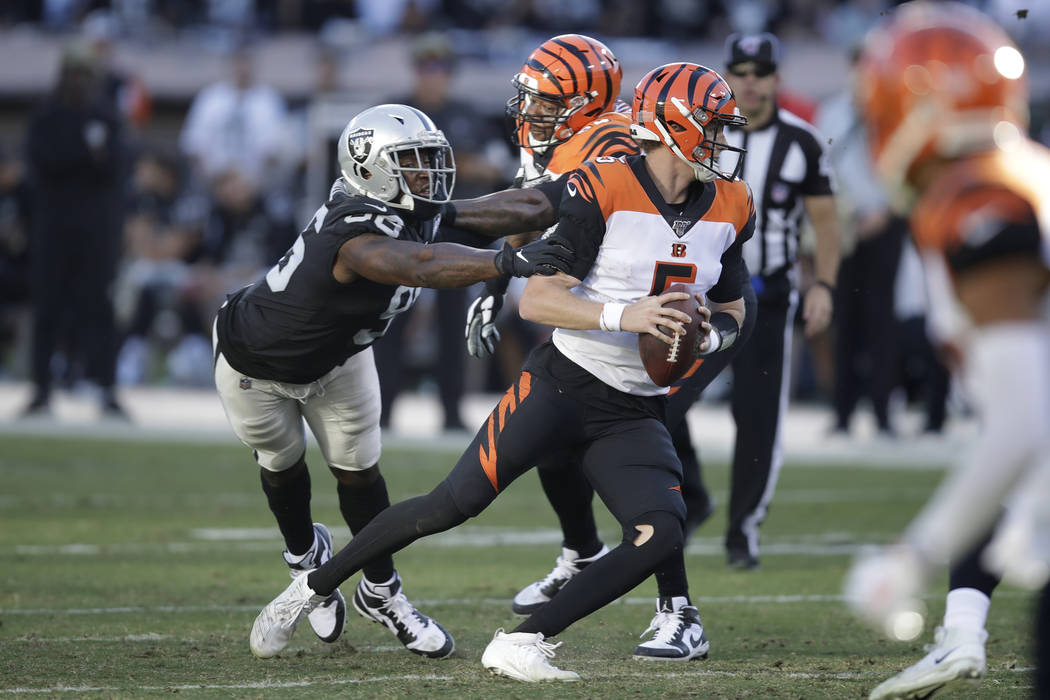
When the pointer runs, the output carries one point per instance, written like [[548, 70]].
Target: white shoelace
[[543, 647], [666, 626], [286, 611], [563, 570], [402, 610]]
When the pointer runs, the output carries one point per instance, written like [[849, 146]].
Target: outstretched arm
[[390, 261], [503, 213]]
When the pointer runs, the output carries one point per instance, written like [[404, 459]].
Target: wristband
[[724, 332], [828, 286], [611, 315]]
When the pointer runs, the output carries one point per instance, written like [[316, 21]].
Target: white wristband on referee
[[611, 315]]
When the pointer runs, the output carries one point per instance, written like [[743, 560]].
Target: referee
[[786, 167]]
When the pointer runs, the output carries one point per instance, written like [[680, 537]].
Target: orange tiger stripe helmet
[[938, 81], [685, 106], [576, 76]]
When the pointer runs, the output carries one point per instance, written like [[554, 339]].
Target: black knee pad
[[658, 533]]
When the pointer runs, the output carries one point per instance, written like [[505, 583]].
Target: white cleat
[[678, 634], [955, 657], [387, 605], [275, 625], [525, 657], [535, 595], [328, 618]]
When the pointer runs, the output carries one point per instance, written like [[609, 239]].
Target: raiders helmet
[[382, 145]]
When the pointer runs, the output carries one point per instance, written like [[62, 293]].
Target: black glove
[[482, 334], [542, 257]]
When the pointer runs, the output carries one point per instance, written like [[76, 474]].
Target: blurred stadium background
[[321, 61]]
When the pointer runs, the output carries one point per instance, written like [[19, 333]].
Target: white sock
[[966, 609]]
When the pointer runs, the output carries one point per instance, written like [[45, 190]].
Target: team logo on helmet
[[360, 144]]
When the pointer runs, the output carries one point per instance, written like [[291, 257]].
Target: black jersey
[[298, 322]]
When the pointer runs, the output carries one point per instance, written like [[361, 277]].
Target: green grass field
[[136, 569]]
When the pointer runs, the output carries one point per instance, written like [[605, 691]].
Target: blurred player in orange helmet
[[946, 98]]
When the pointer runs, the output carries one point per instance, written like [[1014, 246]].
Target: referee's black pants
[[761, 375]]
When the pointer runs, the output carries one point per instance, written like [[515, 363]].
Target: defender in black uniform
[[296, 345]]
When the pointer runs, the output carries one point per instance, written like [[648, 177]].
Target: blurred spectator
[[127, 93], [238, 126], [919, 369], [480, 152], [162, 233], [382, 17], [243, 232], [866, 340], [76, 170], [14, 253]]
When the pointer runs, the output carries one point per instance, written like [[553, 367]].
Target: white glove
[[481, 332], [883, 589]]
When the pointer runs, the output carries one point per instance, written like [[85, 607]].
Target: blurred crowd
[[838, 21], [116, 249]]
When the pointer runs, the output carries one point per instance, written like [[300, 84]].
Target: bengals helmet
[[685, 106], [938, 81], [577, 75]]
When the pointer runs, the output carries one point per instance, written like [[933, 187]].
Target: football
[[665, 363]]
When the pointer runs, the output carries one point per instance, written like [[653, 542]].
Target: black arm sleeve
[[730, 285], [581, 224], [553, 191]]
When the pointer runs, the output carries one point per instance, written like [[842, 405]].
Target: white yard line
[[799, 599]]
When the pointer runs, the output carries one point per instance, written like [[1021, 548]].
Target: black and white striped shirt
[[785, 161]]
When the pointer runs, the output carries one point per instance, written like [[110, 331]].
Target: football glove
[[883, 588], [482, 334], [541, 257]]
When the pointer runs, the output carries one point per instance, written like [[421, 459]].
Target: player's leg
[[530, 418], [760, 398], [343, 414], [957, 653], [269, 422], [570, 494], [634, 470]]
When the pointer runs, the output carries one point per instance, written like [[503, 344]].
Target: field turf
[[136, 569]]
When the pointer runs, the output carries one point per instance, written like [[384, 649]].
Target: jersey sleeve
[[990, 225], [581, 222], [350, 217], [730, 284]]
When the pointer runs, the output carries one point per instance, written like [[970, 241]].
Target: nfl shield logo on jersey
[[681, 227], [246, 383], [360, 144]]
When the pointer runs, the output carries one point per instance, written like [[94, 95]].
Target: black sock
[[570, 494], [968, 572], [391, 530], [671, 579], [608, 578], [288, 493], [359, 504]]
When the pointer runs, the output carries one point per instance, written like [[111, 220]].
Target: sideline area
[[195, 415]]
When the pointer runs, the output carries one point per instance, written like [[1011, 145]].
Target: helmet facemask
[[522, 109], [387, 149]]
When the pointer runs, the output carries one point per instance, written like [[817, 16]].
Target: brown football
[[667, 363]]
